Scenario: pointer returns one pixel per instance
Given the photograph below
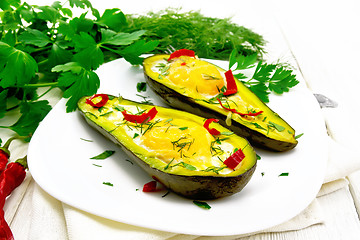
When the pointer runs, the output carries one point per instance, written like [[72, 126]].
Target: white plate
[[59, 161]]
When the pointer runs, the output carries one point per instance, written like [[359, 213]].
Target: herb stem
[[37, 85]]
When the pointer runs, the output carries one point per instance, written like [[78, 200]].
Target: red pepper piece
[[102, 102], [182, 52], [212, 131], [149, 187], [235, 159], [231, 87], [10, 179], [241, 114], [4, 158], [145, 117]]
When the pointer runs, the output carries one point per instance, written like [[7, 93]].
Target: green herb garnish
[[103, 155], [276, 126], [299, 135], [202, 204], [141, 87], [108, 184], [284, 174], [266, 78]]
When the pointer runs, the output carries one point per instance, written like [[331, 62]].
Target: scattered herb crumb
[[258, 157], [262, 174], [108, 184], [202, 204], [299, 135], [167, 193], [129, 161], [86, 140], [141, 87], [103, 155], [96, 165], [285, 174]]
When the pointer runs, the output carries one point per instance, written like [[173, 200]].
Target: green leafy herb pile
[[266, 78], [46, 47], [211, 38]]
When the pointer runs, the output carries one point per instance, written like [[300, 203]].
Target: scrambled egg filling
[[190, 144], [196, 76]]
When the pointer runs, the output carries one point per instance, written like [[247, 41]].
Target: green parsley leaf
[[113, 18], [34, 37], [241, 61], [17, 67], [141, 86], [3, 97], [89, 54], [78, 82], [132, 52], [202, 204], [32, 114], [103, 155]]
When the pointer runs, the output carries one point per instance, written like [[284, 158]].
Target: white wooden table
[[324, 39]]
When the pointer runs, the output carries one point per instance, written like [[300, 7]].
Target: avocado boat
[[199, 87], [191, 156]]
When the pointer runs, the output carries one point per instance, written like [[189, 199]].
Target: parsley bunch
[[46, 46], [277, 78]]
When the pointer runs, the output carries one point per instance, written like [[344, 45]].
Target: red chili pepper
[[212, 131], [145, 117], [241, 114], [235, 159], [10, 178], [182, 52], [231, 87], [149, 187], [4, 158], [104, 99]]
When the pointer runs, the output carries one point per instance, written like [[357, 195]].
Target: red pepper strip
[[4, 158], [182, 52], [231, 87], [10, 179], [241, 114], [145, 117], [234, 160], [212, 131], [149, 187], [104, 99]]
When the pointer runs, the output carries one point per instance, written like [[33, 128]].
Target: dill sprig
[[209, 37]]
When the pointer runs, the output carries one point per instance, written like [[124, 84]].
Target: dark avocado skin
[[179, 101], [192, 187]]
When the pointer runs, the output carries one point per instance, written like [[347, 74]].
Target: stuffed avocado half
[[204, 89], [191, 156]]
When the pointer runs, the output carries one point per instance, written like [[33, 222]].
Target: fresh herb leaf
[[103, 155], [266, 77], [141, 86], [202, 204], [276, 126], [299, 135], [108, 184], [285, 174]]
